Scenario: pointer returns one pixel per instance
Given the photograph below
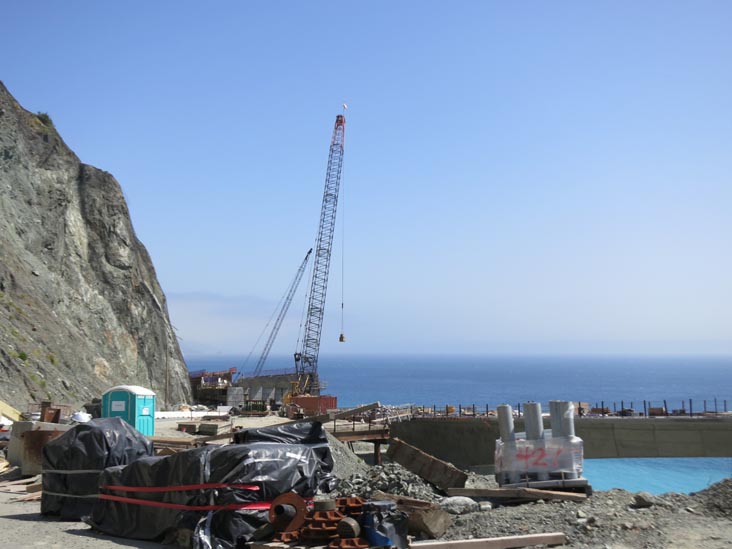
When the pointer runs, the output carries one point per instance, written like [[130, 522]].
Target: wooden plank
[[173, 441], [9, 412], [433, 470], [213, 438], [506, 542], [361, 436], [404, 500], [29, 480], [516, 493], [344, 413], [35, 487], [29, 497]]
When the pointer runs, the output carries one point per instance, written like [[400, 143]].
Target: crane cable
[[342, 337]]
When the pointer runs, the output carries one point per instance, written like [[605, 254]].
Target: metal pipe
[[284, 511]]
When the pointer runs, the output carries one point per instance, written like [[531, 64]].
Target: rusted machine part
[[287, 512], [348, 528], [286, 537], [348, 543], [321, 525], [33, 443], [324, 505], [351, 507]]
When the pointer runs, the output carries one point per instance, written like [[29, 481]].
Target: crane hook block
[[342, 338]]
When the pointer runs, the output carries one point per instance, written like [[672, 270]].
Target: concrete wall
[[471, 442], [266, 387]]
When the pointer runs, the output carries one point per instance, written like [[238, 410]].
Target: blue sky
[[518, 177]]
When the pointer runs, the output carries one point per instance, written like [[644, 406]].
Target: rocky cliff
[[81, 309]]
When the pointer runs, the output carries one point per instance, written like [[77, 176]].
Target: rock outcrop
[[81, 309]]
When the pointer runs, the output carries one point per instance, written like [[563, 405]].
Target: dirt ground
[[22, 525]]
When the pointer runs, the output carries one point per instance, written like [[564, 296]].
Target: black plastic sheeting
[[73, 462], [225, 489], [304, 432], [230, 529], [310, 433]]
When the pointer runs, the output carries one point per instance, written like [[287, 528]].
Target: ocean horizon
[[427, 380]]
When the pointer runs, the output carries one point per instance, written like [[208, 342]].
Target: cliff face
[[81, 309]]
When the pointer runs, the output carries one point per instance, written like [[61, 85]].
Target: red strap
[[257, 506], [183, 488]]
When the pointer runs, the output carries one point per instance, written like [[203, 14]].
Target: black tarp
[[310, 433], [303, 432], [227, 487], [73, 462]]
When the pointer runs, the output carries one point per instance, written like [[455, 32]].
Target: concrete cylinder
[[533, 421], [508, 436], [505, 423], [535, 429], [566, 411], [555, 419]]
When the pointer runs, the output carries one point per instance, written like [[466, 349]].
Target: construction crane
[[306, 359], [281, 316]]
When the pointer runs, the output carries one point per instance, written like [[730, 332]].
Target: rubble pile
[[347, 463], [717, 499], [391, 478], [615, 518]]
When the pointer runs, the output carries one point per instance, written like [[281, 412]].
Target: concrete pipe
[[533, 421], [555, 418], [566, 411], [505, 423], [535, 429]]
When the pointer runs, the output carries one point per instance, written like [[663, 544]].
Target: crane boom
[[281, 316], [306, 360]]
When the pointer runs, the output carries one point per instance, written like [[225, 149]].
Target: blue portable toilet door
[[145, 415], [120, 406]]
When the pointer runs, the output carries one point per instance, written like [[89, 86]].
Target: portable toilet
[[134, 404]]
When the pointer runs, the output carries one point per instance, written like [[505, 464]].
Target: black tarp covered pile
[[221, 492], [73, 462]]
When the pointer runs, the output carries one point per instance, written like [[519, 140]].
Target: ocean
[[491, 380]]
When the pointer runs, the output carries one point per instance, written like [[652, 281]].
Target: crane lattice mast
[[306, 360], [281, 316]]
